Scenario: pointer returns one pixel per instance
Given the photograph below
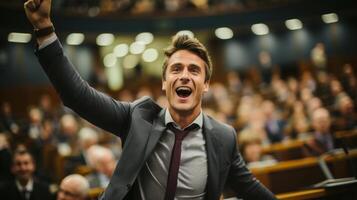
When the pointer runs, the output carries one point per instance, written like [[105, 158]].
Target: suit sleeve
[[241, 180], [96, 107]]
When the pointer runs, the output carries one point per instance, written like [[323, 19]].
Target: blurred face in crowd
[[321, 120], [185, 82], [35, 115], [346, 105], [70, 190], [23, 167], [106, 164], [252, 152]]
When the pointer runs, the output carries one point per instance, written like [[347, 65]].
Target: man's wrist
[[43, 32], [43, 23]]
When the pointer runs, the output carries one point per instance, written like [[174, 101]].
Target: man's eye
[[195, 71], [175, 69]]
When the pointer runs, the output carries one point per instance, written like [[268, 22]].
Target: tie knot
[[181, 134]]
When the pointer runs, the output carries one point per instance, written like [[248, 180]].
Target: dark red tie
[[175, 160]]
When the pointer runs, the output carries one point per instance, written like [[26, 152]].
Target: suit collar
[[158, 129], [168, 119], [28, 187]]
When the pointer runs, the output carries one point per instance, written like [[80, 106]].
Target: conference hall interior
[[284, 76]]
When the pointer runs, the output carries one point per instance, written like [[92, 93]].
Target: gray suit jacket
[[140, 125]]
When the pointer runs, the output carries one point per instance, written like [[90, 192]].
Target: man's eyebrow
[[194, 65]]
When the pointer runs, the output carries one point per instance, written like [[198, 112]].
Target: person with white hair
[[103, 161], [73, 187]]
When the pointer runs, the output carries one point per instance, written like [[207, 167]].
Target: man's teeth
[[183, 88], [183, 91]]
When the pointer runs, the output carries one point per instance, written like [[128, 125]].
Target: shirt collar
[[28, 186], [168, 119]]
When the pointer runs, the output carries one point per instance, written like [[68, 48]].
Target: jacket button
[[128, 187]]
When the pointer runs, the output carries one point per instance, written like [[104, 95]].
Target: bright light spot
[[330, 18], [150, 55], [137, 47], [115, 77], [130, 61], [75, 39], [105, 39], [19, 37], [145, 37], [121, 50], [186, 32], [110, 60], [293, 24], [260, 29], [224, 33]]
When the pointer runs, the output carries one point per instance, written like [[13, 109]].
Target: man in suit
[[24, 186], [151, 164]]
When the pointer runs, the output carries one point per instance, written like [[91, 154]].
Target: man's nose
[[185, 75]]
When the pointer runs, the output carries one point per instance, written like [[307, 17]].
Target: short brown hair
[[185, 42], [20, 151]]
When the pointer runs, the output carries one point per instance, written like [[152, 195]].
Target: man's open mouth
[[183, 91]]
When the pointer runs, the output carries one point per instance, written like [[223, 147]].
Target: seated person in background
[[86, 138], [274, 125], [103, 161], [251, 148], [24, 186], [73, 187], [322, 139], [344, 118]]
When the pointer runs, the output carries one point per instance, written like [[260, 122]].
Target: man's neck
[[23, 183], [182, 118]]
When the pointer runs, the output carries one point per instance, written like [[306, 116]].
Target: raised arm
[[96, 107]]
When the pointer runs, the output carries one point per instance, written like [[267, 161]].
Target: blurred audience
[[95, 7]]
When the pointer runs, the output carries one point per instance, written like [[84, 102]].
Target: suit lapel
[[157, 130], [213, 148]]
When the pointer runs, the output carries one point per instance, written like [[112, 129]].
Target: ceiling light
[[145, 37], [19, 37], [75, 38], [137, 47], [150, 55], [105, 39], [260, 29], [293, 24], [110, 60], [224, 33], [121, 50], [330, 18]]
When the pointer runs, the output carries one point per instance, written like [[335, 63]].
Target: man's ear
[[206, 86], [163, 87]]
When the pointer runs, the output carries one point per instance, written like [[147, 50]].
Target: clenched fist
[[38, 13]]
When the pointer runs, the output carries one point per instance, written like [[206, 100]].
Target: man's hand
[[38, 13]]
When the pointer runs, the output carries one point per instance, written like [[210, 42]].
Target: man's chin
[[183, 108]]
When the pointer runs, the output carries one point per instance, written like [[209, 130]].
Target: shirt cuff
[[48, 41]]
